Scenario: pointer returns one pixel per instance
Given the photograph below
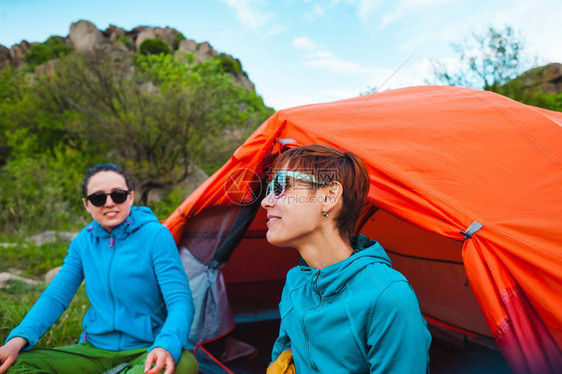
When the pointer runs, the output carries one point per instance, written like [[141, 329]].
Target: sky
[[301, 52]]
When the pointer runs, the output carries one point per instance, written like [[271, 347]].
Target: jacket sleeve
[[282, 343], [53, 301], [398, 340], [174, 286]]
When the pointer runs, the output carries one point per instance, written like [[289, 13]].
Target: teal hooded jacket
[[356, 316], [137, 287]]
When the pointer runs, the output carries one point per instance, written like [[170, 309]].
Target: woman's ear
[[333, 195], [132, 197]]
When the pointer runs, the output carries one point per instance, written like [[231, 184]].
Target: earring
[[325, 214]]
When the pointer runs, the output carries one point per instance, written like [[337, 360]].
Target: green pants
[[84, 358]]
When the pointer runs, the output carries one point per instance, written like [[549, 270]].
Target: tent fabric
[[439, 158], [213, 315]]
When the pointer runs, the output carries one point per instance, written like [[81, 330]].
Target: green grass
[[34, 261], [17, 297]]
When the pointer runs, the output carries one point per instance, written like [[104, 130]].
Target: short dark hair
[[330, 164], [104, 167]]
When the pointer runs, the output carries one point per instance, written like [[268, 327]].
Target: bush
[[123, 39], [54, 47], [154, 46], [230, 65], [55, 40], [164, 207], [177, 39], [42, 193]]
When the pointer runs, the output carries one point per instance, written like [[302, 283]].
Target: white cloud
[[378, 14], [339, 94], [368, 7], [323, 54], [281, 100], [325, 60], [319, 11], [335, 65], [312, 15], [304, 43], [251, 14], [364, 8], [385, 79], [540, 29], [248, 13]]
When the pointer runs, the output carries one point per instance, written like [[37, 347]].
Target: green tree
[[54, 47], [177, 39], [487, 60], [40, 168], [158, 119], [153, 46], [42, 192], [159, 116]]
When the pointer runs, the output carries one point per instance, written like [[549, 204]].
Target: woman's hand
[[161, 359], [10, 352]]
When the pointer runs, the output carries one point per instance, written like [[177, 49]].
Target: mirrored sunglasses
[[99, 198], [280, 183]]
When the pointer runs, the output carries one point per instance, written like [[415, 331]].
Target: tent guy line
[[369, 96]]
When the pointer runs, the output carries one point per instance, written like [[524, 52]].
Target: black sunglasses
[[99, 198]]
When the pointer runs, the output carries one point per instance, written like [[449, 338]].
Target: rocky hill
[[84, 36], [544, 79]]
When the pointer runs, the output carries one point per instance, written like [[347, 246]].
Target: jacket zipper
[[112, 253], [315, 288]]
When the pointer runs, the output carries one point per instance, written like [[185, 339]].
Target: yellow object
[[283, 365]]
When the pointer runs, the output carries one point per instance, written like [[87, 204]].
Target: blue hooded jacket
[[356, 316], [137, 287]]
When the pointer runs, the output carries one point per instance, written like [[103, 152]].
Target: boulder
[[4, 57], [47, 69], [146, 33], [205, 50], [6, 278], [51, 275], [84, 36], [551, 79], [546, 79], [113, 32], [17, 53], [194, 180], [52, 236], [188, 45], [166, 34], [244, 81]]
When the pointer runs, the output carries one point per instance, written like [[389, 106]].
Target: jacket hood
[[138, 217], [331, 279]]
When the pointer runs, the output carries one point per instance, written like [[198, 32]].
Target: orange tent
[[465, 197]]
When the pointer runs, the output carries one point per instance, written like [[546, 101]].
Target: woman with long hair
[[141, 304]]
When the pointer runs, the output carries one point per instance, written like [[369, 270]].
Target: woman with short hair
[[343, 308]]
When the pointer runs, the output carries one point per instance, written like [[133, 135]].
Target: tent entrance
[[236, 275], [433, 265]]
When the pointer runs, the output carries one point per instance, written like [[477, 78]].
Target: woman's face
[[294, 216], [110, 214]]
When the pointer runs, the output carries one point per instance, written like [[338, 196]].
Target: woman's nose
[[268, 201], [109, 201]]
